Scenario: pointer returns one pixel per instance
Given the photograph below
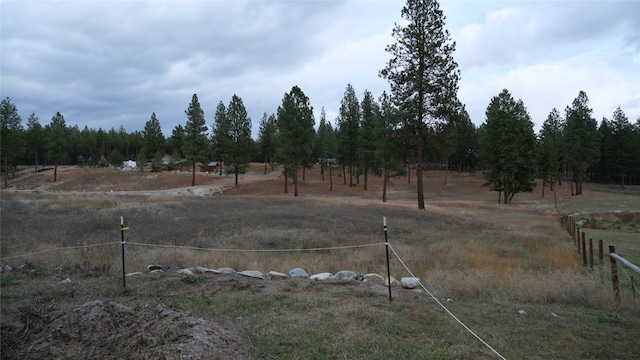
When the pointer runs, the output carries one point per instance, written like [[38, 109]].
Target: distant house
[[211, 167], [129, 165]]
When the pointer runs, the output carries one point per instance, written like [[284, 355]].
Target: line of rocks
[[297, 273]]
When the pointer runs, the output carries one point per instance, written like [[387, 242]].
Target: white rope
[[447, 310], [58, 249], [253, 250], [635, 287]]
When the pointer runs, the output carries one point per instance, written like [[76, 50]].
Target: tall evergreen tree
[[422, 73], [237, 153], [35, 139], [267, 138], [195, 138], [348, 129], [549, 140], [220, 132], [390, 149], [625, 151], [581, 139], [152, 137], [326, 146], [367, 139], [176, 142], [508, 147], [12, 144], [57, 142], [295, 127]]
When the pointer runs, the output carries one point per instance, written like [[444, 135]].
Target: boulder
[[274, 275], [252, 273], [393, 281], [321, 276], [172, 268], [66, 281], [345, 275], [184, 271], [157, 267], [298, 273], [224, 271], [410, 282], [374, 278]]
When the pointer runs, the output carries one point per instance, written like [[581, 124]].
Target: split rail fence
[[586, 251]]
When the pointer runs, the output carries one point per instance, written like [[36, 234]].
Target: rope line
[[58, 249], [254, 250], [447, 310], [191, 248], [635, 287]]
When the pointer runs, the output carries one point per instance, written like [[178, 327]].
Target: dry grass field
[[509, 272]]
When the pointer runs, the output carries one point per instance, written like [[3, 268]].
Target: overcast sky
[[109, 63]]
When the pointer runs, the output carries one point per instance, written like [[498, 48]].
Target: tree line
[[419, 125]]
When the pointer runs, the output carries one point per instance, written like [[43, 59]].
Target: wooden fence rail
[[579, 239]]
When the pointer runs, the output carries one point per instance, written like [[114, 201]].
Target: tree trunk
[[330, 179], [286, 180], [6, 170], [622, 179], [543, 186], [304, 174], [385, 181], [350, 174], [55, 172], [193, 176], [295, 180], [236, 173], [265, 165], [419, 173], [344, 174], [36, 159], [366, 170], [408, 172]]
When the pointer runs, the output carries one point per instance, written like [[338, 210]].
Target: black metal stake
[[124, 281], [386, 244]]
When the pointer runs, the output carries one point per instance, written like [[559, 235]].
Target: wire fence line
[[58, 249], [269, 250], [189, 248], [445, 308]]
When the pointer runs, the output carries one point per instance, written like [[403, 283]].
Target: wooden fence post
[[584, 250], [590, 254], [614, 274], [600, 260]]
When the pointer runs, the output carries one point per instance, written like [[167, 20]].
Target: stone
[[321, 276], [374, 278], [252, 274], [225, 271], [157, 267], [184, 271], [172, 268], [298, 273], [134, 273], [410, 282], [345, 275], [522, 312], [393, 281], [66, 281], [274, 275], [199, 270]]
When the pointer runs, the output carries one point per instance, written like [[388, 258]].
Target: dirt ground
[[134, 326]]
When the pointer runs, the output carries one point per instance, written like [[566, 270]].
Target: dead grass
[[464, 246]]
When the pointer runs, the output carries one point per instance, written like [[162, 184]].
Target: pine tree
[[153, 140], [348, 129], [549, 161], [508, 147], [35, 139], [12, 144], [422, 73], [238, 150], [267, 138], [57, 142], [195, 140], [295, 128], [581, 139], [367, 139], [220, 133]]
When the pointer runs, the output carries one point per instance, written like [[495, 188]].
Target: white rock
[[252, 274], [321, 276], [450, 300], [410, 282], [393, 281], [66, 281], [345, 275], [374, 278], [134, 273], [554, 315], [185, 271], [225, 271], [298, 273], [522, 312], [274, 275]]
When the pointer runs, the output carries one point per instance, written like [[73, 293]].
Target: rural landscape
[[510, 273]]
